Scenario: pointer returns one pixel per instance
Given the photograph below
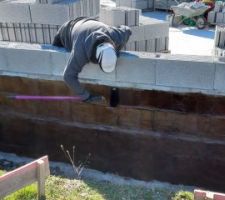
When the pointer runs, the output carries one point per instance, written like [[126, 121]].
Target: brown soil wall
[[171, 137]]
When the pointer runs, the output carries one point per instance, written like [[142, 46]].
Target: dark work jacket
[[80, 37]]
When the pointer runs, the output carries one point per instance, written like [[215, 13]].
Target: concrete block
[[158, 30], [150, 4], [217, 36], [160, 44], [94, 72], [28, 61], [141, 45], [1, 36], [167, 43], [140, 4], [96, 7], [212, 17], [219, 17], [181, 73], [150, 45], [39, 33], [219, 40], [53, 31], [218, 6], [76, 10], [27, 33], [15, 12], [11, 31], [5, 32], [125, 3], [58, 61], [91, 8], [146, 71], [219, 77], [49, 14], [130, 46], [119, 15], [137, 33], [46, 34], [32, 33], [18, 32], [82, 8], [112, 16], [219, 52], [132, 16], [3, 60], [141, 71], [117, 3]]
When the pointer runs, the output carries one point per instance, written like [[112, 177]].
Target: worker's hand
[[94, 98]]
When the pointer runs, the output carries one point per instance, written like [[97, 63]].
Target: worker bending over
[[89, 40]]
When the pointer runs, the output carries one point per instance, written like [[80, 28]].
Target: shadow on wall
[[127, 54], [51, 47]]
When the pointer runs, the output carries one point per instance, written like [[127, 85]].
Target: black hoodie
[[80, 37]]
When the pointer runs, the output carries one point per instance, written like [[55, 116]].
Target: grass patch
[[2, 172], [27, 193], [185, 195], [58, 188]]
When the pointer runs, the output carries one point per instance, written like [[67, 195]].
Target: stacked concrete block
[[119, 16], [49, 14], [29, 32], [212, 17], [217, 15], [151, 37], [37, 21], [148, 36], [139, 4], [219, 41], [15, 12]]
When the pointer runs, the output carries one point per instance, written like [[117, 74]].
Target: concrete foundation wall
[[146, 71]]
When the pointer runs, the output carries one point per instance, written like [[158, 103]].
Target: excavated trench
[[165, 136]]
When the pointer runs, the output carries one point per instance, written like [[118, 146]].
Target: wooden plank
[[22, 176], [41, 179]]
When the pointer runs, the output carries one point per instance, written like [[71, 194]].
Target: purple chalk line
[[47, 98]]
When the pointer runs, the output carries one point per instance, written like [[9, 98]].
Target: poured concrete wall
[[169, 135]]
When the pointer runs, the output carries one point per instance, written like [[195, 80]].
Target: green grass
[[183, 195], [1, 172], [58, 188]]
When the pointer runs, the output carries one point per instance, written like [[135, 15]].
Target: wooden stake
[[41, 179]]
